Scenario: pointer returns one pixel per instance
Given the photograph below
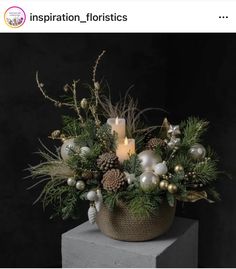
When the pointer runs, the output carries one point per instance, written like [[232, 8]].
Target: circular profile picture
[[14, 17]]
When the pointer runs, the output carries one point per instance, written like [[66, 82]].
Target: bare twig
[[76, 107], [56, 102], [96, 65], [95, 91]]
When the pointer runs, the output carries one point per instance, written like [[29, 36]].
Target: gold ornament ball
[[172, 188], [84, 103], [179, 168], [164, 185]]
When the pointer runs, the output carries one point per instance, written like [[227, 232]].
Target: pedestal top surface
[[90, 233]]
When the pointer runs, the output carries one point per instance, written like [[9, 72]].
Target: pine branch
[[170, 199], [110, 199], [211, 191], [181, 159], [206, 171], [193, 129], [132, 165], [106, 138], [144, 204]]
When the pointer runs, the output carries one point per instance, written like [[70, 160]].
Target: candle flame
[[126, 142], [117, 121]]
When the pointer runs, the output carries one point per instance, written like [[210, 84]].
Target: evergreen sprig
[[206, 171], [140, 203], [71, 126], [144, 204], [181, 158], [193, 129], [132, 165]]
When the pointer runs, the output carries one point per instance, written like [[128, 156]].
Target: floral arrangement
[[108, 155]]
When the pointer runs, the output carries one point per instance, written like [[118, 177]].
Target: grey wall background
[[186, 74]]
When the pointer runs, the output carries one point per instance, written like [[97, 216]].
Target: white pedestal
[[85, 246]]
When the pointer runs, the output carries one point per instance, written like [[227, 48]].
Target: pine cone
[[113, 180], [154, 142], [107, 161], [87, 175]]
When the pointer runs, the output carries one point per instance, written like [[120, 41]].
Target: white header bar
[[119, 16]]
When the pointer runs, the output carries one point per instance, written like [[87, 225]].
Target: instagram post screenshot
[[117, 127]]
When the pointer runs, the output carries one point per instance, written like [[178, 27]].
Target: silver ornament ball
[[148, 159], [80, 185], [84, 151], [71, 181], [149, 181], [197, 152], [68, 148], [160, 168]]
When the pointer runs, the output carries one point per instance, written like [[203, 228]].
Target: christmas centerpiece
[[131, 174]]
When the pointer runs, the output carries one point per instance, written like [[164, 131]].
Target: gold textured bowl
[[120, 224]]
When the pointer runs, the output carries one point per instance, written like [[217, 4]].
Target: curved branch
[[56, 102]]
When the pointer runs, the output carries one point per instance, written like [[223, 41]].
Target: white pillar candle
[[125, 149], [118, 126]]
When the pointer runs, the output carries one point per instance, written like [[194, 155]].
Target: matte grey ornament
[[92, 196], [84, 151], [160, 168]]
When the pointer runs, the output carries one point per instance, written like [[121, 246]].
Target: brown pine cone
[[113, 180], [154, 142], [87, 175], [107, 161]]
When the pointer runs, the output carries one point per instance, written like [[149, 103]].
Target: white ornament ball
[[84, 151], [92, 214], [80, 185], [160, 168], [68, 148], [148, 159], [71, 181], [149, 181], [92, 196], [197, 152]]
